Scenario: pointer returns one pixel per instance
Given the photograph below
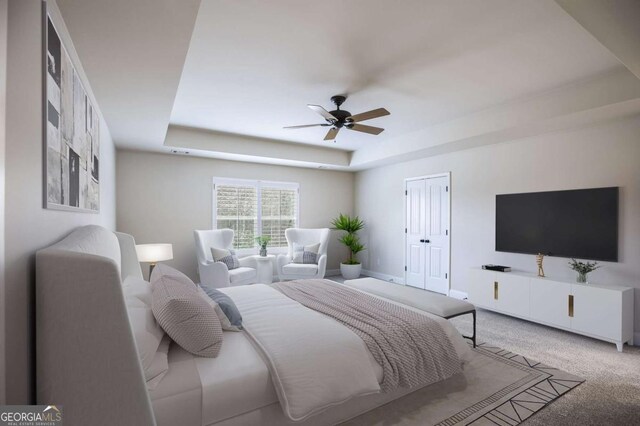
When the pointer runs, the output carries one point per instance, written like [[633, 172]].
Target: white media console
[[598, 311]]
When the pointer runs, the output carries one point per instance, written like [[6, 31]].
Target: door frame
[[433, 176]]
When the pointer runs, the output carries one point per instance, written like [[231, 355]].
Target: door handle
[[425, 241]]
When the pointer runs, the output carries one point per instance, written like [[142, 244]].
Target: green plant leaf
[[263, 240], [351, 225]]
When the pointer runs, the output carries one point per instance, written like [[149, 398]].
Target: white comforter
[[314, 361]]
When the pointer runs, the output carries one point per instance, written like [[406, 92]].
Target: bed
[[87, 359]]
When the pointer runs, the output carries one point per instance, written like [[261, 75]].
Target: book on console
[[498, 268]]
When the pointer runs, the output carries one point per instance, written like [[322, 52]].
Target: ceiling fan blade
[[366, 129], [374, 113], [306, 125], [323, 112], [331, 134]]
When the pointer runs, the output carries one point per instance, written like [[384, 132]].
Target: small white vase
[[350, 272]]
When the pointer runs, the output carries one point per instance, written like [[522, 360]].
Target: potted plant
[[583, 268], [351, 225], [262, 241]]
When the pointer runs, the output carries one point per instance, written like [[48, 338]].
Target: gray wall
[[162, 198], [28, 226], [606, 155]]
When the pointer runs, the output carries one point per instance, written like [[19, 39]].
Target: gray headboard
[[85, 352]]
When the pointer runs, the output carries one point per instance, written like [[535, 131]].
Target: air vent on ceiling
[[179, 151]]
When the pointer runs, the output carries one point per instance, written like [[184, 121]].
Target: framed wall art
[[72, 135]]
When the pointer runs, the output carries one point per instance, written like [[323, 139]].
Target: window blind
[[237, 208], [253, 208], [279, 212]]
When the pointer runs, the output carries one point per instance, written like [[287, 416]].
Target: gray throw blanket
[[412, 348]]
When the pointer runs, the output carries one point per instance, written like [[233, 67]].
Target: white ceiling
[[252, 66], [220, 78], [133, 52]]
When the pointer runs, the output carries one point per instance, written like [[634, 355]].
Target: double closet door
[[427, 233]]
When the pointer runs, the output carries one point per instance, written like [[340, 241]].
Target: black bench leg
[[473, 338]]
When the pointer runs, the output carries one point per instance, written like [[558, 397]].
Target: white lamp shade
[[153, 253]]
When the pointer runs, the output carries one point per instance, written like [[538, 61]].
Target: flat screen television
[[580, 223]]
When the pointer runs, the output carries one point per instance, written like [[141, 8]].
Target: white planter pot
[[350, 272]]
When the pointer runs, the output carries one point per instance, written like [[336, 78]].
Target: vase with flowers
[[583, 268]]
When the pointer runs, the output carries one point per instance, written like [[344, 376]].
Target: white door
[[437, 237], [415, 231], [427, 234]]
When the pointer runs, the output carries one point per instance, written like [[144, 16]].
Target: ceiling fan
[[339, 118]]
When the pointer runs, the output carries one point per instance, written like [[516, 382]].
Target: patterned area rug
[[498, 387]]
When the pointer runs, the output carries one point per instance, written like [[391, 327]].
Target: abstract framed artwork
[[72, 132]]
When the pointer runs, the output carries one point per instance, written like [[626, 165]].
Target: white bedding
[[235, 382], [202, 391], [315, 362]]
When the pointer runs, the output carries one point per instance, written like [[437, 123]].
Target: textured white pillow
[[159, 365], [183, 314], [147, 333], [137, 287]]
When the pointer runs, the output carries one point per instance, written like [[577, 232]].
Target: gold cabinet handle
[[495, 290], [571, 305]]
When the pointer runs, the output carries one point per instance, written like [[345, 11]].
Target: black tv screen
[[580, 223]]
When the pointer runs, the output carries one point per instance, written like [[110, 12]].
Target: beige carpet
[[496, 387], [611, 393]]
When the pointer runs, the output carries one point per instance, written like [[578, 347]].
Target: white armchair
[[216, 274], [287, 270]]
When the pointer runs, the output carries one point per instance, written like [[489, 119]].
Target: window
[[253, 208]]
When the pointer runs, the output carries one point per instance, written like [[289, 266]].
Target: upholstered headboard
[[85, 351]]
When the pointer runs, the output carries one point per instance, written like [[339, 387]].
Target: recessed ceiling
[[133, 52], [252, 66], [220, 78]]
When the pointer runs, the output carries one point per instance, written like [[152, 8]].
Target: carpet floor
[[609, 396], [495, 387]]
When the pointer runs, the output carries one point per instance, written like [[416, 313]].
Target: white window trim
[[259, 184]]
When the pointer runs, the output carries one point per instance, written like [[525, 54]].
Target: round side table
[[265, 268]]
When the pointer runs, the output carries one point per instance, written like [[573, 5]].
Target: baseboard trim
[[636, 338], [384, 277], [457, 294]]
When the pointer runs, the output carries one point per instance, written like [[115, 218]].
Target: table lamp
[[154, 253]]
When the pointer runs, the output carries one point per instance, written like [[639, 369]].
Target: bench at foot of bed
[[436, 304]]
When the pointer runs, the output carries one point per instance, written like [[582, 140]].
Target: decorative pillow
[[138, 288], [306, 254], [229, 309], [159, 365], [183, 314], [147, 333], [224, 321], [226, 256]]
